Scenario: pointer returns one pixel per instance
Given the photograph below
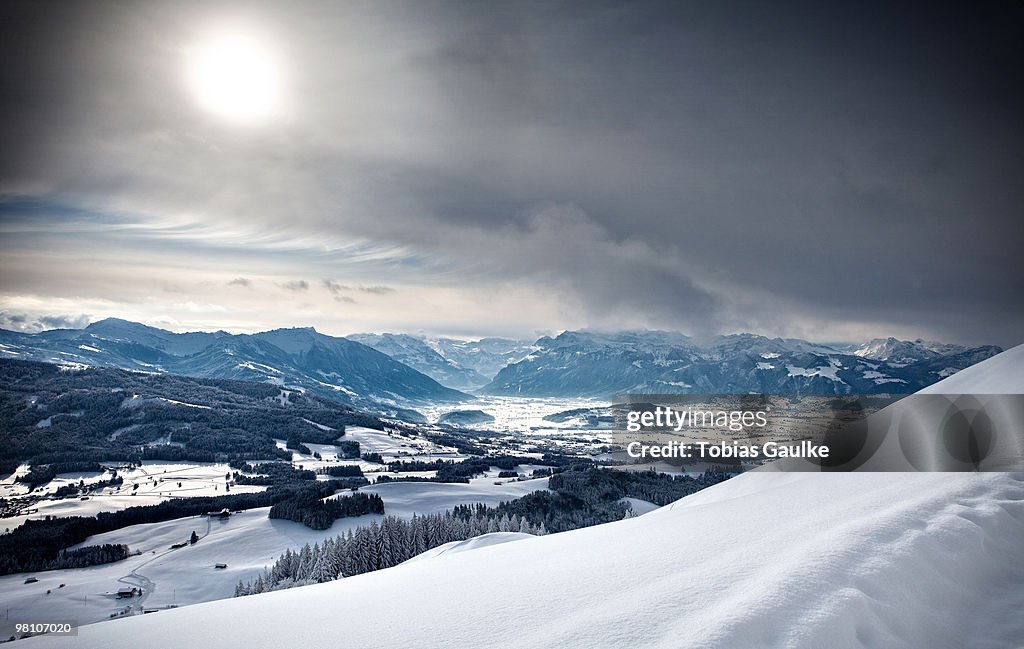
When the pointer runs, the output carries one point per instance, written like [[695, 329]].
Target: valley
[[91, 439]]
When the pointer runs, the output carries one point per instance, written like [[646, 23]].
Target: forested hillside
[[50, 414]]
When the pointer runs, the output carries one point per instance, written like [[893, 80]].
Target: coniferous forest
[[52, 416], [377, 546], [577, 498]]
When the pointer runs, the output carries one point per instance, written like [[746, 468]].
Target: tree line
[[596, 485], [34, 544], [343, 471], [90, 555], [377, 546], [41, 474], [463, 470], [319, 514], [580, 496]]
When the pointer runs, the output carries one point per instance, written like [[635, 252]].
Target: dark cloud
[[17, 319], [792, 169], [65, 321], [296, 285], [241, 281], [26, 323]]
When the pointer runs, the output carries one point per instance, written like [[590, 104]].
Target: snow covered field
[[247, 542], [523, 415], [396, 445], [765, 560], [157, 481]]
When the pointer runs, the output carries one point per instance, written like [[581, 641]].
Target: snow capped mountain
[[905, 351], [397, 368], [460, 364], [108, 343], [337, 367], [762, 560], [485, 356], [583, 363], [1001, 374], [417, 354]]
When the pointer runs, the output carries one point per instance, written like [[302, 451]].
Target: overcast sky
[[822, 170]]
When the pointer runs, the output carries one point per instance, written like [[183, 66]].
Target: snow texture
[[247, 542], [763, 560]]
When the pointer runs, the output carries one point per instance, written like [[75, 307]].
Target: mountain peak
[[335, 367], [305, 330], [112, 322], [119, 326]]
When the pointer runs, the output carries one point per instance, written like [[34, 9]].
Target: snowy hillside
[[458, 364], [1001, 374], [808, 560], [587, 363], [763, 560], [247, 542], [905, 351], [335, 367], [420, 356], [486, 356]]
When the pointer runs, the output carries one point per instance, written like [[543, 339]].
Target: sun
[[235, 77]]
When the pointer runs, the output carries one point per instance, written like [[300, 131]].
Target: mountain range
[[300, 358], [486, 356], [403, 370], [593, 364], [461, 364], [417, 354]]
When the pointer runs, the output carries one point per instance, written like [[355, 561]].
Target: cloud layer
[[835, 172]]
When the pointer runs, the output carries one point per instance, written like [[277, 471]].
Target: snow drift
[[763, 560]]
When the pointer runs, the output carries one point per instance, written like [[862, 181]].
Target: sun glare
[[235, 77]]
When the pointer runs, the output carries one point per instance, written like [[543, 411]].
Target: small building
[[126, 592], [31, 580], [220, 566], [224, 513]]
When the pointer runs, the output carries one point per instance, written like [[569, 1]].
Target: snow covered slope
[[337, 368], [593, 364], [247, 542], [763, 560], [1001, 374], [417, 354], [475, 543]]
